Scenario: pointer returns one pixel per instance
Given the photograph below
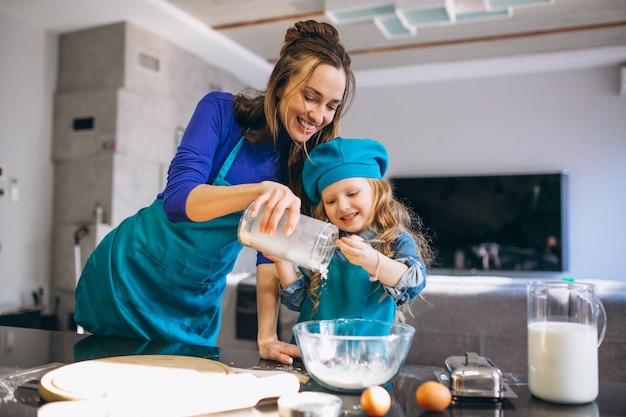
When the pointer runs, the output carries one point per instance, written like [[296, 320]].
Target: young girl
[[381, 257]]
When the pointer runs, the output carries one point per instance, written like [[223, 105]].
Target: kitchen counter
[[26, 354]]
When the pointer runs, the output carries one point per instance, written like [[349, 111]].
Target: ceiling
[[244, 36]]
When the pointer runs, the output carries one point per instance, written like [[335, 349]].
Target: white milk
[[563, 361]]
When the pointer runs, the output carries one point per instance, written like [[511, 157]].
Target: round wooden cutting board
[[94, 378], [162, 385]]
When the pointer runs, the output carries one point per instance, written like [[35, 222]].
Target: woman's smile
[[310, 100], [309, 128]]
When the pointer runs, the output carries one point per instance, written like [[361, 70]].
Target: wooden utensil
[[162, 385]]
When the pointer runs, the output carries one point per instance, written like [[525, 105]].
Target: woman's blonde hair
[[390, 217]]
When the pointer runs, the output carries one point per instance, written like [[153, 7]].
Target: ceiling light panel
[[478, 10], [349, 11], [403, 18], [483, 15], [393, 28], [418, 13], [499, 4]]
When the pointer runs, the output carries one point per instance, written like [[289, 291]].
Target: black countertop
[[26, 354]]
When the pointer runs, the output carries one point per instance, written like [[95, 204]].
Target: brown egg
[[433, 396], [375, 401]]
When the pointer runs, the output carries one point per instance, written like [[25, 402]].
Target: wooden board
[[161, 385]]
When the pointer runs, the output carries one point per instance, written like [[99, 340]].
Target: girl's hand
[[361, 253], [358, 251], [277, 198]]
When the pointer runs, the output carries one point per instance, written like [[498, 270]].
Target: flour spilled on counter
[[10, 382], [8, 387]]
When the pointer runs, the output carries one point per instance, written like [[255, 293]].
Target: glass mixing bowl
[[350, 355]]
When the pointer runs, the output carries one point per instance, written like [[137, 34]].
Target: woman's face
[[349, 204], [307, 106]]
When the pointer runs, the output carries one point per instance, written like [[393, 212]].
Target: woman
[[161, 274]]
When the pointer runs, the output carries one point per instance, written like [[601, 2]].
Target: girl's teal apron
[[348, 293], [157, 280]]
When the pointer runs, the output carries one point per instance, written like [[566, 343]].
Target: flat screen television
[[492, 223]]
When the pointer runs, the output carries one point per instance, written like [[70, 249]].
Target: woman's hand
[[278, 351], [270, 347], [277, 198]]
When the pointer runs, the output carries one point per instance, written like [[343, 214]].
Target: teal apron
[[348, 293], [157, 280]]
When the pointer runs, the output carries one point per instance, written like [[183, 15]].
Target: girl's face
[[307, 106], [349, 204]]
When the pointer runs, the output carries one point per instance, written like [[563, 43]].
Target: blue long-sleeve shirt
[[209, 137]]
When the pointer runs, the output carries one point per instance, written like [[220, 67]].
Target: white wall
[[567, 120], [27, 79]]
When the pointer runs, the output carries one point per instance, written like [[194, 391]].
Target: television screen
[[491, 222]]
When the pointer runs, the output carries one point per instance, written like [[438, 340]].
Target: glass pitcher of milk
[[563, 341], [311, 245]]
